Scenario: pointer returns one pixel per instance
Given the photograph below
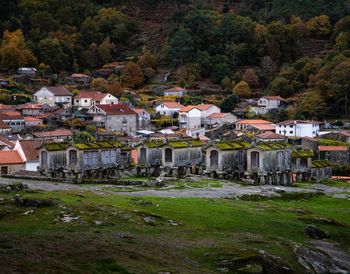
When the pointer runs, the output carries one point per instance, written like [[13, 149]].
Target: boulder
[[316, 233], [34, 201]]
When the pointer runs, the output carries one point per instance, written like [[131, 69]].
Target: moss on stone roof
[[105, 144], [56, 146], [154, 143], [178, 144], [299, 154], [321, 163], [271, 146], [232, 145], [196, 143]]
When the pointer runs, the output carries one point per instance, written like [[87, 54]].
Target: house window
[[214, 158], [168, 155], [77, 101], [280, 132], [44, 158], [291, 132], [279, 158], [85, 101], [142, 154], [254, 158], [73, 157], [291, 126]]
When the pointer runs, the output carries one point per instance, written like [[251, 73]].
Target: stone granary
[[149, 157], [180, 157], [321, 169], [226, 159], [270, 163], [301, 165], [76, 161]]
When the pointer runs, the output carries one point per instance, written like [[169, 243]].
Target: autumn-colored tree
[[148, 59], [116, 89], [99, 84], [318, 27], [341, 83], [242, 90], [251, 78], [313, 104], [132, 75], [104, 51]]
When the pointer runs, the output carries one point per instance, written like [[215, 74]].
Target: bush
[[343, 170]]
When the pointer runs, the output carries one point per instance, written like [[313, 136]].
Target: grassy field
[[124, 234]]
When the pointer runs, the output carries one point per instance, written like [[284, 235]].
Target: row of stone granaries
[[258, 163]]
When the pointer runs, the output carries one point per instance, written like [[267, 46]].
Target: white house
[[298, 128], [143, 118], [176, 91], [268, 103], [29, 153], [190, 117], [53, 96], [168, 108], [207, 110], [87, 99]]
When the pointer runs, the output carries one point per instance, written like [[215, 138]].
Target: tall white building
[[298, 128]]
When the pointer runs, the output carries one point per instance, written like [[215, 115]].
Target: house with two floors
[[298, 128], [267, 104], [53, 96], [87, 99], [168, 108]]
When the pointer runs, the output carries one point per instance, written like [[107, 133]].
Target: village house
[[220, 119], [79, 161], [269, 136], [206, 111], [31, 71], [189, 117], [168, 108], [175, 91], [4, 128], [79, 79], [180, 157], [7, 108], [267, 104], [298, 128], [59, 135], [117, 117], [6, 144], [30, 109], [87, 99], [255, 124], [4, 83], [53, 96], [270, 163], [11, 162], [32, 121], [13, 119], [338, 155], [28, 149], [226, 159], [143, 118], [342, 136]]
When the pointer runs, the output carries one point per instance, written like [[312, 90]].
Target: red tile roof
[[32, 119], [116, 109], [253, 121], [269, 135], [345, 133], [204, 106], [94, 95], [175, 89], [3, 125], [217, 115], [172, 105], [186, 108], [274, 98], [10, 115], [79, 75], [30, 149], [332, 148], [6, 107], [29, 106], [138, 110], [59, 91], [56, 133], [7, 142], [310, 139], [10, 157], [263, 126], [289, 122]]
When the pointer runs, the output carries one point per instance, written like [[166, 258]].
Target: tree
[[99, 84], [132, 75], [242, 90], [84, 136], [341, 83], [148, 59], [116, 89], [104, 51], [51, 53], [312, 104], [202, 58], [251, 78], [318, 27], [230, 103], [181, 48]]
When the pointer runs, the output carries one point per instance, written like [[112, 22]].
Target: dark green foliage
[[181, 48], [230, 103]]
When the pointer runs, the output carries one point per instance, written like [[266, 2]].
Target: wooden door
[[4, 170]]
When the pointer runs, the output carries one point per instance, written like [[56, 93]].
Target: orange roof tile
[[269, 135], [253, 121], [274, 98], [187, 108], [175, 89], [172, 105], [7, 142], [32, 119], [138, 110], [10, 157], [263, 126], [55, 133], [3, 125], [217, 115], [30, 106], [332, 148], [204, 106]]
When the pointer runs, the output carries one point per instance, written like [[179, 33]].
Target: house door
[[4, 170], [255, 159], [214, 158]]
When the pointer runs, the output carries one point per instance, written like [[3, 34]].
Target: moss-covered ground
[[123, 234]]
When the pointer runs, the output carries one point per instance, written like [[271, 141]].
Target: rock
[[247, 181], [316, 233], [97, 222], [28, 212], [16, 187], [34, 201], [148, 220], [341, 196]]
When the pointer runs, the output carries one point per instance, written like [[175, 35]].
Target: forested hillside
[[296, 49]]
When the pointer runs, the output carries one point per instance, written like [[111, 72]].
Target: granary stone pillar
[[262, 180], [290, 178]]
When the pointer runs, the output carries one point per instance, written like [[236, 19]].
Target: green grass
[[328, 182], [207, 230]]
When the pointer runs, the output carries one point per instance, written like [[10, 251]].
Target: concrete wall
[[115, 122], [11, 169]]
